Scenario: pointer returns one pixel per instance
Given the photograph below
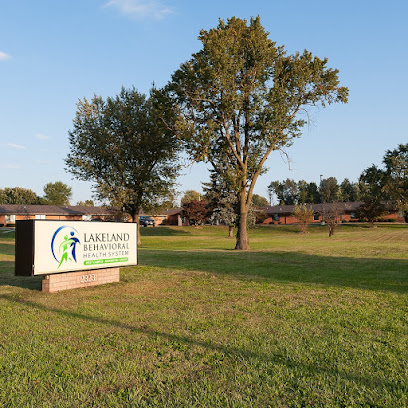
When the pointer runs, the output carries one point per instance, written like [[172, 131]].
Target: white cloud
[[16, 146], [40, 136], [4, 56], [141, 8], [10, 166]]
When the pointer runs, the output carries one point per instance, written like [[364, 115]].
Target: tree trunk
[[135, 218], [242, 233]]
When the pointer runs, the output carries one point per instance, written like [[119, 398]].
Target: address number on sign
[[88, 278]]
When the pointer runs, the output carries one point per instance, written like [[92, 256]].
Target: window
[[275, 217], [316, 216], [352, 215], [10, 219], [40, 217], [87, 218]]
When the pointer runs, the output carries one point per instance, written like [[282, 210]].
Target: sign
[[64, 246]]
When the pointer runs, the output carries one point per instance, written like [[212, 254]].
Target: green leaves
[[124, 145]]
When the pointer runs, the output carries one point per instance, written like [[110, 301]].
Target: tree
[[195, 211], [18, 195], [396, 175], [86, 203], [259, 201], [303, 214], [349, 191], [241, 97], [57, 193], [329, 190], [190, 195], [286, 191], [222, 202], [123, 146], [372, 182], [332, 216]]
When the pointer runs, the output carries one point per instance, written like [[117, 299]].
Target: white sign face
[[63, 246]]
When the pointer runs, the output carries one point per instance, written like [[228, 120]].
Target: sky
[[53, 53]]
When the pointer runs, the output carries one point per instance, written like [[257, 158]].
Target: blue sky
[[52, 53]]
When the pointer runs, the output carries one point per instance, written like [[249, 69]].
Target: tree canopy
[[122, 145], [18, 195], [57, 193], [241, 97]]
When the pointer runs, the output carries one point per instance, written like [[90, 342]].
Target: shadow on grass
[[6, 249], [163, 232], [367, 380], [7, 278], [358, 273]]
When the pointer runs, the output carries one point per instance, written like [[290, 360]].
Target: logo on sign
[[64, 245]]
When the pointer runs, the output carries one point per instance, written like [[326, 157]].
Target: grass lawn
[[300, 321]]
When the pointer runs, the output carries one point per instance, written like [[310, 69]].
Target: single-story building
[[10, 213], [283, 214]]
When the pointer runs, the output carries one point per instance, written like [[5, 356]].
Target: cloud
[[141, 8], [4, 56], [40, 136], [10, 166], [16, 146]]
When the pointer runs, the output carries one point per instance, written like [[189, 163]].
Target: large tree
[[57, 193], [241, 97], [122, 145]]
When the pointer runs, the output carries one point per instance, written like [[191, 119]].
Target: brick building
[[10, 213], [283, 214]]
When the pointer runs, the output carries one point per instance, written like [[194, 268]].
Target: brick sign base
[[79, 279]]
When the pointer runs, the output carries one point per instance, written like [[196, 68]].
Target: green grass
[[300, 321]]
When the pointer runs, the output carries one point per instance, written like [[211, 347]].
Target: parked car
[[146, 221]]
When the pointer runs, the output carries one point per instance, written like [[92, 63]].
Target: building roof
[[19, 209], [288, 209]]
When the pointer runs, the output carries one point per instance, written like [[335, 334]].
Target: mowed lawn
[[299, 321]]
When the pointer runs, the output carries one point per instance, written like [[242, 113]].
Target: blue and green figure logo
[[64, 244]]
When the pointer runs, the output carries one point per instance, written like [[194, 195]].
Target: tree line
[[290, 192], [57, 193]]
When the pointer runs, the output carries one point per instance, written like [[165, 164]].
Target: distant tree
[[349, 191], [314, 196], [123, 145], [286, 191], [222, 202], [372, 181], [18, 195], [190, 195], [329, 190], [259, 201], [3, 197], [241, 97], [332, 216], [396, 175], [303, 193], [57, 193], [86, 203], [371, 211], [195, 211], [304, 215]]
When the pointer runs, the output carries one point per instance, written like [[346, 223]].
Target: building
[[10, 213], [283, 214]]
